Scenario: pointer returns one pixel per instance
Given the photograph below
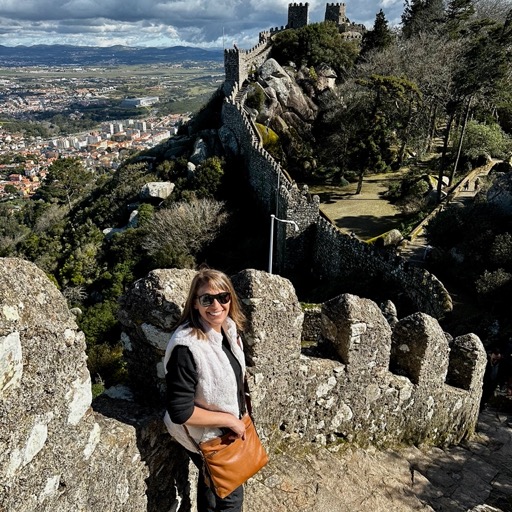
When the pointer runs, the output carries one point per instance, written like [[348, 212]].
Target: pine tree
[[379, 38], [422, 16], [458, 13]]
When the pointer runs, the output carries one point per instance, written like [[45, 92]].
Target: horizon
[[183, 45]]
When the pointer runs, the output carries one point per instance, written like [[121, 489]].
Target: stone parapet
[[378, 386], [58, 452], [366, 384]]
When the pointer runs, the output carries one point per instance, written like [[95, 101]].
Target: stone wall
[[272, 187], [336, 13], [298, 15], [238, 64], [318, 245], [339, 256], [57, 453], [363, 383]]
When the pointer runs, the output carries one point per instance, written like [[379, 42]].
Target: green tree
[[483, 139], [10, 189], [371, 148], [501, 251], [422, 16], [458, 14], [313, 45], [494, 282], [65, 181], [379, 38], [483, 71], [356, 128], [207, 178]]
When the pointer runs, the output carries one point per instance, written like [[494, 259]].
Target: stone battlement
[[363, 382], [379, 385], [319, 244]]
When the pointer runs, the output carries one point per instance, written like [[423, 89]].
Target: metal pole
[[277, 191], [272, 217]]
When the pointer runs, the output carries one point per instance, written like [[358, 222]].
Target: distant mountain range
[[64, 55]]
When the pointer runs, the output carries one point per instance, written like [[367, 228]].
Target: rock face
[[157, 190], [364, 382], [500, 192], [56, 452]]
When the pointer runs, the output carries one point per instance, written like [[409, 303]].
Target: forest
[[432, 96]]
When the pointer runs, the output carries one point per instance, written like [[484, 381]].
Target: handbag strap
[[247, 395], [194, 442]]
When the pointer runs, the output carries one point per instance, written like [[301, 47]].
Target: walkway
[[368, 214], [464, 192], [474, 476]]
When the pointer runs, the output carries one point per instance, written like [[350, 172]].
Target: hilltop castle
[[238, 63], [298, 16]]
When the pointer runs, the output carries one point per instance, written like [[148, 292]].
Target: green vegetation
[[481, 140], [473, 252], [315, 44]]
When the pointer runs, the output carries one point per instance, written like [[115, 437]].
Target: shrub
[[182, 230], [501, 250], [486, 139], [255, 97], [493, 283]]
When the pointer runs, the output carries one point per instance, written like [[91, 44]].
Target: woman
[[205, 370]]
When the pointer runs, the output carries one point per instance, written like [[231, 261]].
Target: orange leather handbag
[[231, 462]]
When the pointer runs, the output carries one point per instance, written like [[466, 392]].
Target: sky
[[163, 23]]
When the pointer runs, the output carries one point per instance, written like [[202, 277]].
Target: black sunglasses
[[207, 298]]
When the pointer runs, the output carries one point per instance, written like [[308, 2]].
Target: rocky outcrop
[[157, 190], [57, 453]]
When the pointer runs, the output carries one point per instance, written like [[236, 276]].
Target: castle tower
[[298, 15], [336, 13]]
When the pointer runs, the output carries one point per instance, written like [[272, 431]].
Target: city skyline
[[144, 23]]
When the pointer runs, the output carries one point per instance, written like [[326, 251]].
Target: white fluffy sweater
[[217, 387]]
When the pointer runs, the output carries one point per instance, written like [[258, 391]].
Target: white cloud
[[160, 22]]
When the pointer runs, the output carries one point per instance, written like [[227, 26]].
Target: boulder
[[157, 190], [500, 192]]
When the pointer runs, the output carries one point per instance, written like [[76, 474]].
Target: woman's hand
[[238, 428], [205, 418]]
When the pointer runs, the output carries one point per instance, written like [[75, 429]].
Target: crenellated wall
[[319, 245], [239, 63], [339, 256], [365, 382]]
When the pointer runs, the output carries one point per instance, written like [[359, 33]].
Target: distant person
[[205, 370], [493, 376], [466, 186], [477, 184]]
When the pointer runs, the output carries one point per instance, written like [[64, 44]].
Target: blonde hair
[[218, 281]]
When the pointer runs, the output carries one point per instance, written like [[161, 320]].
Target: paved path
[[474, 476], [368, 214]]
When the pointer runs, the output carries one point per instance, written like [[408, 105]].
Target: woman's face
[[213, 305]]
